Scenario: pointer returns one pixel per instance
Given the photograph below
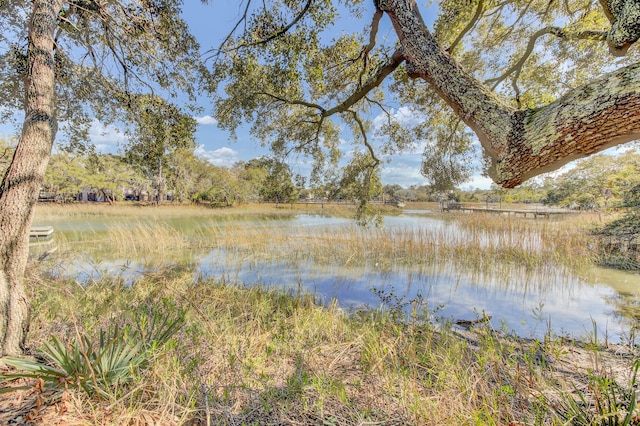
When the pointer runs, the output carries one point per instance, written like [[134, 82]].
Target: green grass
[[253, 355]]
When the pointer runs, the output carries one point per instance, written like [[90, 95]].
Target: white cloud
[[403, 171], [206, 120], [106, 138], [402, 115], [477, 182], [221, 157]]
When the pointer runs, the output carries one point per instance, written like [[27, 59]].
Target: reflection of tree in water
[[619, 240], [627, 309]]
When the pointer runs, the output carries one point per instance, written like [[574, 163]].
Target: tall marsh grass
[[473, 244], [48, 211], [476, 245]]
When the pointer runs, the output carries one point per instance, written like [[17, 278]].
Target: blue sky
[[210, 24]]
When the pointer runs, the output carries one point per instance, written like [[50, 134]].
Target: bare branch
[[548, 8], [512, 26], [284, 29], [233, 30], [364, 54], [469, 26], [319, 129], [4, 156], [365, 140], [606, 8], [394, 62], [293, 102], [379, 105], [516, 88], [315, 139], [273, 36], [558, 32], [579, 35], [375, 22]]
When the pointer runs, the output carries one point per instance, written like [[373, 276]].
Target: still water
[[529, 304]]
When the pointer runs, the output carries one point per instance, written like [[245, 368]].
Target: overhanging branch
[[394, 62], [523, 143]]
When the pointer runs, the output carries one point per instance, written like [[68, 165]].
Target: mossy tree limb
[[522, 143]]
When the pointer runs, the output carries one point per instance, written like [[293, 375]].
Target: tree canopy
[[538, 83], [104, 54], [159, 129]]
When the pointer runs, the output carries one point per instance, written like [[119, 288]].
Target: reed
[[480, 245], [47, 211], [54, 211], [476, 246]]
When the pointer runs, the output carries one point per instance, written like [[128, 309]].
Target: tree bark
[[624, 16], [522, 143], [160, 182], [22, 180], [108, 199]]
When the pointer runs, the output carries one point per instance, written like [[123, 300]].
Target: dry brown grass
[[480, 242], [249, 355], [128, 209]]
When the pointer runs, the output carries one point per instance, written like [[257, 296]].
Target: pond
[[525, 301]]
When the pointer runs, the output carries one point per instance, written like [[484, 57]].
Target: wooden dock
[[41, 232], [535, 213]]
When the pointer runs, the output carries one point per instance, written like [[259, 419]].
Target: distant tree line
[[597, 183], [185, 177]]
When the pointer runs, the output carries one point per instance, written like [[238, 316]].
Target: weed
[[605, 403]]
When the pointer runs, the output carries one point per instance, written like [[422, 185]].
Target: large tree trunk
[[22, 181], [522, 143]]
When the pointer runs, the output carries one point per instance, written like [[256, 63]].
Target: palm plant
[[99, 367]]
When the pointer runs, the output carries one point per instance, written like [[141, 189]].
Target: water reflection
[[520, 300], [519, 304]]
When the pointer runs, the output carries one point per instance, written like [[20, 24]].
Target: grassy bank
[[48, 211], [244, 354], [249, 355]]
